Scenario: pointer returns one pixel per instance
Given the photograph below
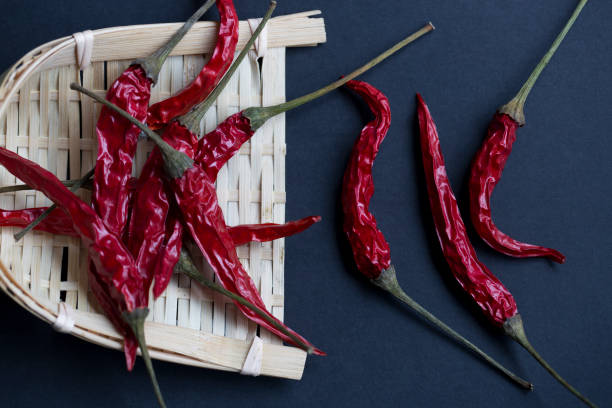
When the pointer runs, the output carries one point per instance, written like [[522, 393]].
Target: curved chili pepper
[[489, 162], [243, 234], [370, 248], [110, 261], [475, 278], [163, 112]]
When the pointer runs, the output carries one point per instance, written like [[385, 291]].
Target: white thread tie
[[84, 48], [64, 323], [253, 361], [261, 44]]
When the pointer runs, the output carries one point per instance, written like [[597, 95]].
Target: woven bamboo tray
[[43, 120]]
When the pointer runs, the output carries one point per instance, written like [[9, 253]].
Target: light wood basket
[[43, 120]]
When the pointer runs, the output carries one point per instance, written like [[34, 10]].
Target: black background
[[555, 191]]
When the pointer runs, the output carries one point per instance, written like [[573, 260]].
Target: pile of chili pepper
[[136, 228]]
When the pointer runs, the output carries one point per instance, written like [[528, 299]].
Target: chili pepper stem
[[25, 187], [191, 120], [388, 281], [153, 63], [175, 162], [77, 185], [514, 108], [514, 328], [186, 266], [259, 115], [136, 319]]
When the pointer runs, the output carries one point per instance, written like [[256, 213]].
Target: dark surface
[[555, 191]]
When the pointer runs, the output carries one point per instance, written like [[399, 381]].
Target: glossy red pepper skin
[[218, 146], [197, 198], [163, 112], [169, 254], [117, 140], [370, 248], [474, 277], [243, 234], [112, 264], [487, 167], [58, 222]]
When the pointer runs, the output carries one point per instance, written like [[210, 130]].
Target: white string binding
[[64, 323], [84, 48], [261, 44], [253, 361]]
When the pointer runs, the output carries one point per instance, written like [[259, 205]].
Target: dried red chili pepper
[[196, 196], [49, 210], [147, 238], [123, 291], [489, 162], [475, 278], [58, 222], [163, 112], [370, 249]]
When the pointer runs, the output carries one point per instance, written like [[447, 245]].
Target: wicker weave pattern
[[54, 126]]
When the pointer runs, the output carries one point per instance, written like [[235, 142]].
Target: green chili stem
[[153, 63], [191, 120], [515, 329], [25, 187], [515, 108], [186, 266], [136, 320], [388, 281], [175, 162], [259, 115], [77, 185]]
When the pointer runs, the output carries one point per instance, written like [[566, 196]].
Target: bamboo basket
[[43, 120]]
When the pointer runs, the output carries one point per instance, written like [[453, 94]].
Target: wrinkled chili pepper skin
[[243, 234], [370, 248], [474, 277], [117, 140], [163, 112], [147, 238], [219, 145], [197, 198], [58, 222], [487, 167], [169, 255], [110, 261]]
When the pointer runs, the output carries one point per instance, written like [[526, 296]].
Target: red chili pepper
[[489, 162], [474, 277], [123, 289], [117, 138], [370, 248], [58, 222], [163, 112]]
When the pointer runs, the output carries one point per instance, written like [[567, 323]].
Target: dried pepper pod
[[491, 296], [195, 194], [370, 248], [489, 162], [163, 112], [116, 283]]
